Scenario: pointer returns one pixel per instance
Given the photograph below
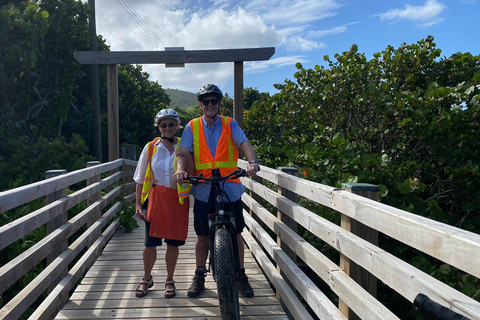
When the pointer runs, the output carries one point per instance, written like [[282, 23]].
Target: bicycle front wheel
[[225, 275]]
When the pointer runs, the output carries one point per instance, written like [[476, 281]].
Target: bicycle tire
[[225, 275]]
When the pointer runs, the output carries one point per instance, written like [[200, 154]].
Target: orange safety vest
[[226, 155], [183, 190]]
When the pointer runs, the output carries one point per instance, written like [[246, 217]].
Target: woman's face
[[168, 127]]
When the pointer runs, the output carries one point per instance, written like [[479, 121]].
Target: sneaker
[[196, 287], [244, 287]]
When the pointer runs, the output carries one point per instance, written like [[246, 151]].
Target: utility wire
[[126, 5]]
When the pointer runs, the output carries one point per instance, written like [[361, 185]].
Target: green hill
[[181, 99]]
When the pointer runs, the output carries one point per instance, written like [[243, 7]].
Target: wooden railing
[[53, 251], [454, 246]]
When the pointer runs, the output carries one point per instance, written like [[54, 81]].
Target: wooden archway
[[169, 57]]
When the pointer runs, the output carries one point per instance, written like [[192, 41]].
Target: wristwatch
[[252, 161]]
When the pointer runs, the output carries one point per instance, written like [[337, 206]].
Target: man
[[209, 138]]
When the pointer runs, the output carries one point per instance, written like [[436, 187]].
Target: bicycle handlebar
[[194, 180], [434, 309]]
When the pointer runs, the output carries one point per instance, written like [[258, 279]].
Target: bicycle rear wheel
[[225, 275]]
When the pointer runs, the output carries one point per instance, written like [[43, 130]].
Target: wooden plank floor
[[108, 289]]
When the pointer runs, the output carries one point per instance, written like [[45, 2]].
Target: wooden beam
[[113, 125], [238, 92], [185, 56]]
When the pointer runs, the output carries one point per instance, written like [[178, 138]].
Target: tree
[[406, 120]]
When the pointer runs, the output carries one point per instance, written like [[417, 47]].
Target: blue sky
[[301, 31]]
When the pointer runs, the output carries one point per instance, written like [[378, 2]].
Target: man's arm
[[250, 153], [184, 164]]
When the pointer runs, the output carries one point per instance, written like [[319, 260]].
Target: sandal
[[141, 291], [170, 293]]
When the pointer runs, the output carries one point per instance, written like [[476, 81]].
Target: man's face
[[210, 105]]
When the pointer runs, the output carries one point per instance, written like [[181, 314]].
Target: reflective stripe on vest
[[147, 181], [226, 155]]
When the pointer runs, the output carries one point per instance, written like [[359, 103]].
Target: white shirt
[[162, 166]]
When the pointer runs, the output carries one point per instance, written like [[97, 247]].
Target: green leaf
[[383, 190], [309, 147], [290, 155], [469, 290], [445, 269], [405, 122], [476, 99], [45, 14], [470, 90]]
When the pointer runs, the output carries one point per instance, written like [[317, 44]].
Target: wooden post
[[113, 124], [238, 92], [357, 273], [292, 224], [56, 222], [130, 153], [257, 198], [94, 197], [94, 86]]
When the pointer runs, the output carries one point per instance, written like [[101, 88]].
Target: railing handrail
[[455, 246], [48, 247], [399, 275], [16, 197]]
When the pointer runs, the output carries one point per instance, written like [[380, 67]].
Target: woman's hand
[[138, 212], [179, 176]]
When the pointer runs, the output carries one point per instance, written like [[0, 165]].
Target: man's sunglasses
[[205, 102], [170, 124]]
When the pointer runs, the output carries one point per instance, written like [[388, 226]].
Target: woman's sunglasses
[[170, 124], [205, 102]]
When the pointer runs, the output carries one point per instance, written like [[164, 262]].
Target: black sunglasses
[[170, 124], [205, 102]]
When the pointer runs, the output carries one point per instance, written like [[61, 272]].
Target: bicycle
[[435, 310], [224, 261]]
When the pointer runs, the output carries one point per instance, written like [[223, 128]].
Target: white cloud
[[336, 30], [425, 15], [275, 63], [287, 12], [213, 24]]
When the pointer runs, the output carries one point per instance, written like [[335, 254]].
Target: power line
[[126, 5]]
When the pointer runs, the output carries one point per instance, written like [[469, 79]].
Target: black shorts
[[201, 210], [156, 242]]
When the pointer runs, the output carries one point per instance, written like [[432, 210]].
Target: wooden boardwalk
[[108, 289]]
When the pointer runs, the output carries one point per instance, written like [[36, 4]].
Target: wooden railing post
[[130, 153], [292, 224], [96, 196], [257, 198], [357, 273], [56, 222]]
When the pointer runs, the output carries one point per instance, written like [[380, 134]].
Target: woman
[[166, 218]]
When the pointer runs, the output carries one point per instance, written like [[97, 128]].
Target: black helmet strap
[[169, 139]]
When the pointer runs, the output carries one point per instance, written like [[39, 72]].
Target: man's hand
[[179, 176], [252, 168]]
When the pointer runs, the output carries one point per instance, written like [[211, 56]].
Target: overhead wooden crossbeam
[[185, 56], [173, 57]]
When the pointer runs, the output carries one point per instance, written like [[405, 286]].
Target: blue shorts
[[201, 210], [157, 242]]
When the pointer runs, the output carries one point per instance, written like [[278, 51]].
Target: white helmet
[[166, 114]]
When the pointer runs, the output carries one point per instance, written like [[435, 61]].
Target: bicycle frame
[[222, 219], [223, 243]]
